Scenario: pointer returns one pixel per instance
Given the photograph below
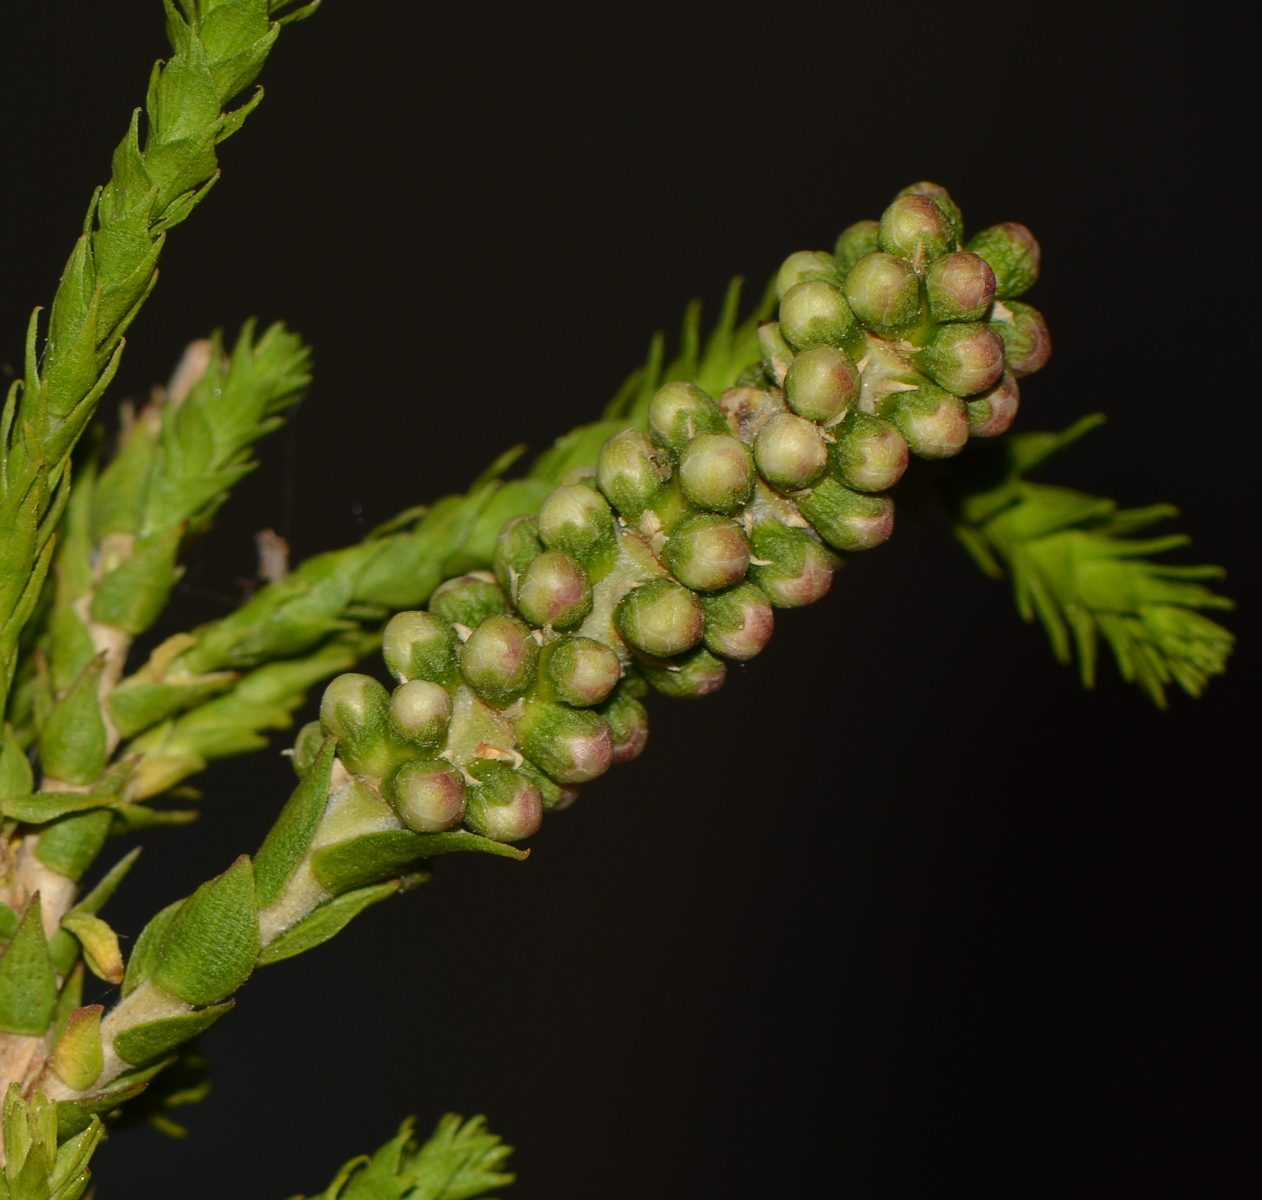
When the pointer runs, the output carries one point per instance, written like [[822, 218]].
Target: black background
[[903, 911]]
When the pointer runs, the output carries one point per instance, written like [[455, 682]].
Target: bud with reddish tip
[[555, 590], [848, 520], [716, 472], [822, 384], [960, 287], [577, 520], [428, 795], [418, 645], [790, 452], [943, 199], [628, 721], [691, 676], [572, 745], [660, 618], [356, 710], [505, 806], [518, 542], [804, 266], [1014, 255], [790, 565], [965, 359], [706, 552], [679, 411], [499, 659], [420, 712], [934, 422], [468, 599], [1026, 338], [869, 455], [816, 314], [631, 471], [915, 227], [883, 292], [739, 621], [993, 412], [583, 671], [855, 241]]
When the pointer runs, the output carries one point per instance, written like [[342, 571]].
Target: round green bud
[[691, 676], [934, 422], [816, 314], [848, 520], [716, 472], [307, 745], [790, 565], [943, 198], [428, 795], [628, 722], [517, 544], [556, 796], [993, 412], [822, 384], [1014, 255], [356, 710], [883, 291], [790, 452], [420, 712], [863, 237], [498, 660], [576, 520], [960, 287], [679, 411], [582, 670], [802, 266], [1026, 339], [965, 359], [468, 599], [739, 621], [572, 745], [706, 552], [506, 806], [915, 227], [555, 590], [417, 645], [631, 471], [870, 455], [661, 618]]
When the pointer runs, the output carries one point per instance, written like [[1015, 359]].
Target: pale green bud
[[417, 645], [993, 412], [934, 422], [679, 411], [915, 227], [555, 590], [1014, 255], [661, 618], [428, 795], [848, 520], [803, 266], [628, 722], [356, 710], [420, 712], [775, 350], [822, 384], [582, 670], [960, 287], [790, 452], [739, 621], [306, 746], [1026, 338], [499, 659], [790, 565], [506, 806], [870, 455], [691, 676], [965, 358], [884, 292], [631, 471], [572, 745], [716, 472], [577, 520], [816, 314], [855, 241], [468, 599], [518, 542], [944, 202], [706, 552]]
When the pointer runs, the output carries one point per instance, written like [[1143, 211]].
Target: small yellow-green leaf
[[143, 1043], [78, 1057], [100, 945]]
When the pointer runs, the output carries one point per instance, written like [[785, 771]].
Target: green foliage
[[35, 1167]]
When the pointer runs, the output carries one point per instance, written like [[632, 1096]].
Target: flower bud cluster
[[652, 571]]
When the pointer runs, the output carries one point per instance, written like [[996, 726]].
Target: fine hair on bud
[[515, 546], [707, 552], [576, 520], [582, 670], [505, 806], [555, 590], [1026, 339], [934, 422], [790, 565], [965, 359], [816, 314], [420, 713], [804, 266], [790, 452], [499, 659], [660, 618], [869, 455], [1014, 255], [691, 676], [419, 645], [845, 519], [883, 292], [428, 795], [943, 199], [716, 472], [739, 621], [468, 599], [679, 411], [854, 242], [993, 412], [822, 384], [915, 227], [356, 710], [628, 722], [631, 470], [572, 745], [960, 287]]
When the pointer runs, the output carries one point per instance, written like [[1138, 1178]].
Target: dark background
[[903, 911]]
